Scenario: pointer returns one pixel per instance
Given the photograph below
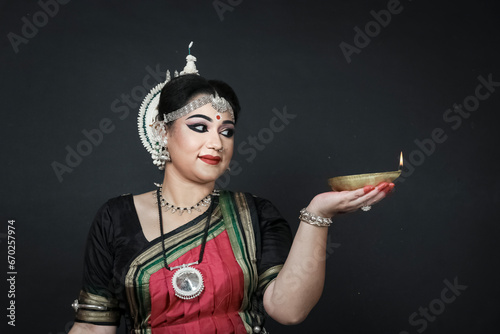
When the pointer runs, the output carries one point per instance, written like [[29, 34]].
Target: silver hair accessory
[[152, 131], [366, 207], [218, 103]]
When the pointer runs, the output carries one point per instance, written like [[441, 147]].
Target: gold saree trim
[[109, 316], [268, 276], [242, 242]]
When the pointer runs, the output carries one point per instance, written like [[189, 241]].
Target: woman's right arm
[[83, 328], [98, 278]]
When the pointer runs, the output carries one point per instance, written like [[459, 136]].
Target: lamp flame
[[400, 161]]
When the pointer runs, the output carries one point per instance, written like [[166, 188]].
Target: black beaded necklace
[[187, 281]]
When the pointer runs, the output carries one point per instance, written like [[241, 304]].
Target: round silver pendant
[[187, 283]]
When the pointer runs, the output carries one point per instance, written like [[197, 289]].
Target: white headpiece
[[153, 131]]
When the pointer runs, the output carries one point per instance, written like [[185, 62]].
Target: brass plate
[[352, 182]]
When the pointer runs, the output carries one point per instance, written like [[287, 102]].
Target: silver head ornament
[[152, 130]]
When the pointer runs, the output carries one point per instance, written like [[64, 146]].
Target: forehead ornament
[[218, 103]]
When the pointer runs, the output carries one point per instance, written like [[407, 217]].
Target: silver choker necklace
[[174, 208]]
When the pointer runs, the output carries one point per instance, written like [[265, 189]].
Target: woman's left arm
[[298, 286]]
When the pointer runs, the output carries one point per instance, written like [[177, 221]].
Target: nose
[[214, 142]]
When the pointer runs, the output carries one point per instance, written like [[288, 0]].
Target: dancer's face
[[201, 146]]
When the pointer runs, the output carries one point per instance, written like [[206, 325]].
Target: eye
[[198, 127], [227, 133]]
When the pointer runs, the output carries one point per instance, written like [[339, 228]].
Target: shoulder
[[111, 217], [113, 209], [249, 197], [117, 204], [262, 206], [143, 201]]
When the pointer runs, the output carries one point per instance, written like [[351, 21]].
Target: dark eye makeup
[[202, 127], [227, 132], [198, 127]]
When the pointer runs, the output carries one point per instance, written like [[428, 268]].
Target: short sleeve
[[276, 241], [98, 304]]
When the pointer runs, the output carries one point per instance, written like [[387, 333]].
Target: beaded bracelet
[[313, 219]]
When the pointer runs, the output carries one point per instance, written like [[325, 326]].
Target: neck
[[182, 192]]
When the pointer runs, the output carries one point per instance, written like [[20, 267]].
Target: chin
[[209, 176]]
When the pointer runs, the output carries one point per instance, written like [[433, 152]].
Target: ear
[[171, 128], [168, 131], [164, 134], [159, 129]]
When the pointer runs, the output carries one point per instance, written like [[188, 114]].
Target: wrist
[[316, 211]]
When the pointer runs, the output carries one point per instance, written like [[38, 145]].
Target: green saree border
[[237, 217], [151, 260]]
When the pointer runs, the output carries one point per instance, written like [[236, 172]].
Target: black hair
[[178, 91]]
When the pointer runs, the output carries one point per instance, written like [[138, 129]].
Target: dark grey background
[[440, 224]]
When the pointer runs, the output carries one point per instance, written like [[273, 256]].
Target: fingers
[[333, 202], [388, 189], [367, 189], [361, 192], [373, 194], [383, 191]]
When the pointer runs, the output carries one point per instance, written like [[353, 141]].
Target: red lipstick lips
[[210, 159]]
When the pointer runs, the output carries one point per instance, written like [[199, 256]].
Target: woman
[[184, 258]]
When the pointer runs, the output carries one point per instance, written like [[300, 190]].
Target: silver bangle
[[76, 305], [313, 219]]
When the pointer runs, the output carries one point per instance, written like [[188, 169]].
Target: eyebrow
[[201, 116], [209, 119]]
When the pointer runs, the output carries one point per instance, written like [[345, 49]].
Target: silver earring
[[161, 155], [160, 152]]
